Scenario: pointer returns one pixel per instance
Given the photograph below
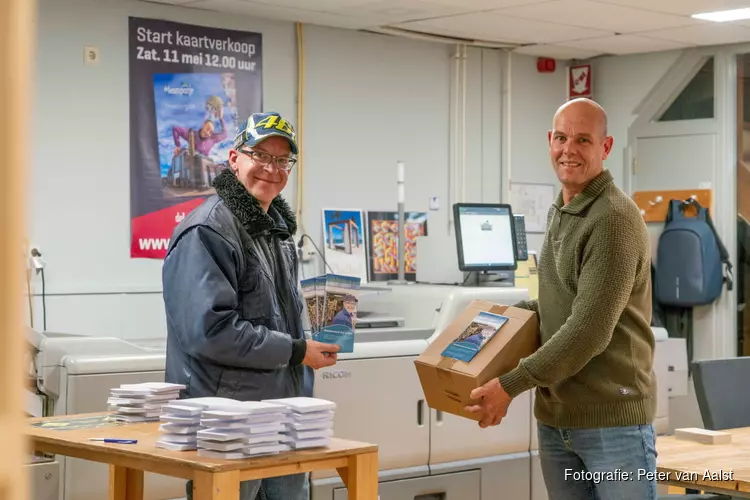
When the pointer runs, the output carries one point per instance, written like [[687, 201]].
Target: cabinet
[[454, 438], [395, 419]]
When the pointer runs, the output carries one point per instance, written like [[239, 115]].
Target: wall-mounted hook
[[656, 201]]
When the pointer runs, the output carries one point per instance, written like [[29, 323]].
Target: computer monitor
[[485, 237]]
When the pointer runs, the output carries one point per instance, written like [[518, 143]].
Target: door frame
[[724, 176]]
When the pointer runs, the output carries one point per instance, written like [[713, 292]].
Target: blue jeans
[[294, 487], [616, 463]]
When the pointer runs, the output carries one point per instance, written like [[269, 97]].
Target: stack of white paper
[[179, 428], [181, 422], [141, 402], [310, 424], [242, 430]]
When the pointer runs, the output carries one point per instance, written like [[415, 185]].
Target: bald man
[[593, 377]]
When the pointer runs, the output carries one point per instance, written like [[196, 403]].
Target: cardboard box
[[448, 382]]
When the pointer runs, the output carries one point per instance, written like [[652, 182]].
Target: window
[[696, 101]]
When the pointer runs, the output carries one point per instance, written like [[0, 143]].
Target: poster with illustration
[[344, 242], [475, 336], [382, 236], [196, 121], [190, 89]]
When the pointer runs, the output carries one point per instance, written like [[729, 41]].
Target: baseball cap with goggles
[[260, 126]]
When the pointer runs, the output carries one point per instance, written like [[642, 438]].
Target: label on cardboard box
[[475, 336]]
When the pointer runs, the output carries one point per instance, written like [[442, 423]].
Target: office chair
[[722, 407]]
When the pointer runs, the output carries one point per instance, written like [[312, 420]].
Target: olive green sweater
[[594, 366]]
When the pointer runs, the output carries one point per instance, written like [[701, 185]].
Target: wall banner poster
[[190, 88]]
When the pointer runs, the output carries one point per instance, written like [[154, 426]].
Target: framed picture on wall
[[344, 242], [382, 241]]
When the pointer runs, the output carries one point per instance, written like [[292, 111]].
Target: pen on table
[[116, 441]]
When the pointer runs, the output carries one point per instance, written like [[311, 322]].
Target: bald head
[[578, 144], [587, 109]]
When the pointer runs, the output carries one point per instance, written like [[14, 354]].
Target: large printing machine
[[424, 454]]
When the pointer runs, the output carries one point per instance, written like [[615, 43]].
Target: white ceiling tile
[[381, 12], [496, 28], [626, 44], [243, 7], [170, 2], [710, 34], [473, 5], [316, 5], [557, 52], [684, 7], [604, 16]]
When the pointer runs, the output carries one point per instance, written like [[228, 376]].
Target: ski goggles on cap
[[260, 126]]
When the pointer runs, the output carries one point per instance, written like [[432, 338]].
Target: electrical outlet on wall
[[91, 55], [35, 258]]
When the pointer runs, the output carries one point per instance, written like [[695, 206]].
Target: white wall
[[534, 99], [620, 84], [369, 101]]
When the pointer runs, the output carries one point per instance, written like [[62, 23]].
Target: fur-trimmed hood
[[248, 210]]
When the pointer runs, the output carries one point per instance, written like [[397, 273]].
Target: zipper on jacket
[[270, 247]]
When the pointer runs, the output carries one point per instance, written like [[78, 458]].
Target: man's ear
[[233, 160], [608, 143]]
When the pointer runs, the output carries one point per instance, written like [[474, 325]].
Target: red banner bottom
[[150, 234]]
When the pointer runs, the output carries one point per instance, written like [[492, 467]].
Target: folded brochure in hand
[[331, 302]]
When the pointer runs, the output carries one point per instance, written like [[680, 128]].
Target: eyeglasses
[[264, 159]]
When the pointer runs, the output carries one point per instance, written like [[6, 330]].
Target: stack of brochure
[[181, 421], [180, 426], [242, 430], [141, 402], [310, 422]]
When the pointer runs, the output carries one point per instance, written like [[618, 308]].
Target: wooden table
[[715, 468], [213, 479]]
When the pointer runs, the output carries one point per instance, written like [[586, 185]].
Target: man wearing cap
[[233, 307], [348, 314]]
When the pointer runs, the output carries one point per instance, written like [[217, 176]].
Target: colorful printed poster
[[382, 235], [344, 242], [190, 88]]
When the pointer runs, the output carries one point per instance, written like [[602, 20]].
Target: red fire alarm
[[545, 65]]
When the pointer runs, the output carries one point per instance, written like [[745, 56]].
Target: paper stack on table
[[180, 426], [310, 424], [141, 402], [242, 430], [181, 422]]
